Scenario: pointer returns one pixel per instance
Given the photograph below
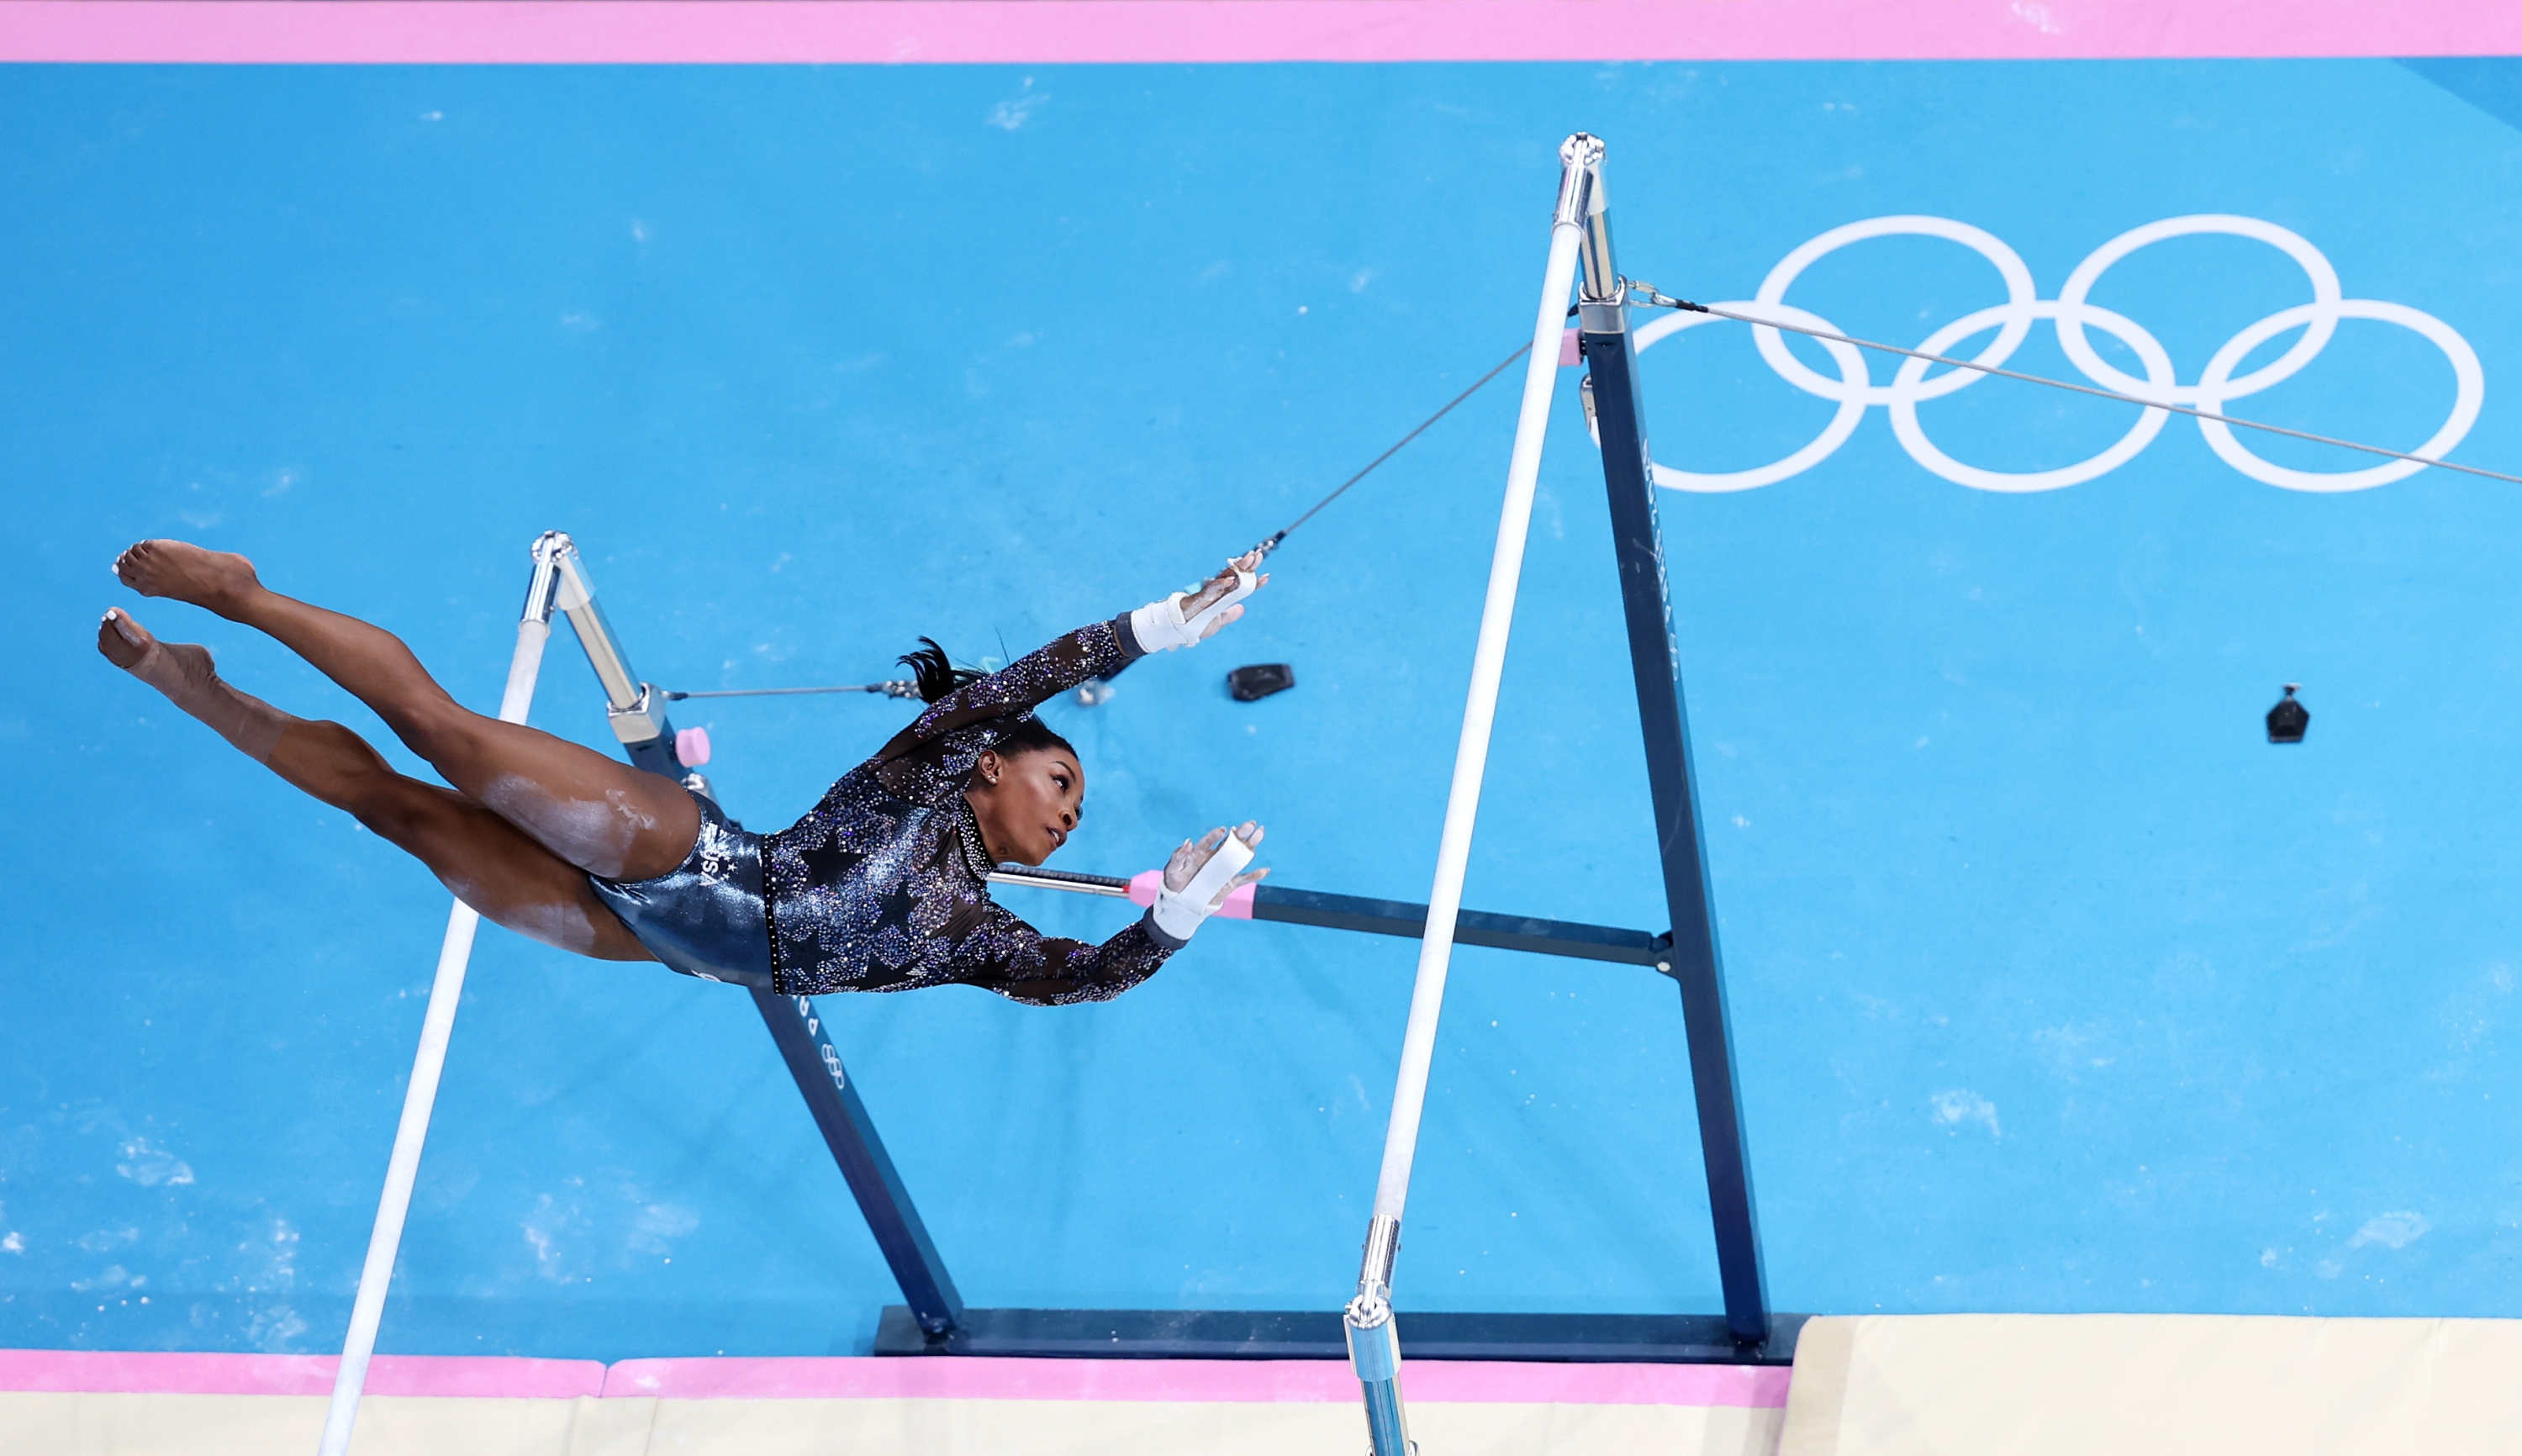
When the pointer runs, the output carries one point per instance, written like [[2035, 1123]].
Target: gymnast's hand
[[1186, 618], [1187, 860], [1218, 586]]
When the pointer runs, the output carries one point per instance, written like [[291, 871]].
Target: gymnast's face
[[1027, 804]]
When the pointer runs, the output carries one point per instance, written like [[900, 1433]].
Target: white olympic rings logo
[[2072, 314]]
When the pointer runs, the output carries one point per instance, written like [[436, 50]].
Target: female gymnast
[[882, 887]]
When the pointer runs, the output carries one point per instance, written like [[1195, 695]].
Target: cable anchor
[[1647, 294]]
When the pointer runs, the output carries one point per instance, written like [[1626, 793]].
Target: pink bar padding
[[1145, 884], [692, 746], [184, 1372], [1272, 1382], [1052, 32], [1569, 354]]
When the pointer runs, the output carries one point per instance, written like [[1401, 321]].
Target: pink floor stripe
[[1051, 32], [178, 1373], [1272, 1382], [1266, 1381]]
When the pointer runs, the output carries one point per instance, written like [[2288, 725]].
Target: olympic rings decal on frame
[[2072, 314]]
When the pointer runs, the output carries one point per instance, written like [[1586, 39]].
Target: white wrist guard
[[1179, 912], [1160, 627]]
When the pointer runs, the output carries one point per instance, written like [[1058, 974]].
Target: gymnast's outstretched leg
[[481, 858], [604, 816]]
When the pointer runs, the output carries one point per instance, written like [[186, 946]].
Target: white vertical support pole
[[1373, 1340], [454, 954]]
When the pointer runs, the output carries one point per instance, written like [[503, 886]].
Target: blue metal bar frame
[[832, 1100], [1473, 927], [935, 1307], [1654, 658], [1317, 1335]]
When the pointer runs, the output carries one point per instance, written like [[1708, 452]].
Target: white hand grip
[[1178, 913], [1244, 582], [1160, 626], [1208, 886]]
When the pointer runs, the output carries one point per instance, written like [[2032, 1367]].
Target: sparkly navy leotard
[[885, 885]]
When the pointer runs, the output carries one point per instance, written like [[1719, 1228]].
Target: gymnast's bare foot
[[185, 674], [218, 580], [122, 641], [164, 665]]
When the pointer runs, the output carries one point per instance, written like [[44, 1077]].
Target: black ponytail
[[937, 676]]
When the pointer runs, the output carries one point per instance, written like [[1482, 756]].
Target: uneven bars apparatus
[[934, 1321]]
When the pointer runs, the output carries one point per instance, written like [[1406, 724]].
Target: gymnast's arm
[[1096, 650], [1021, 964], [1012, 958]]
